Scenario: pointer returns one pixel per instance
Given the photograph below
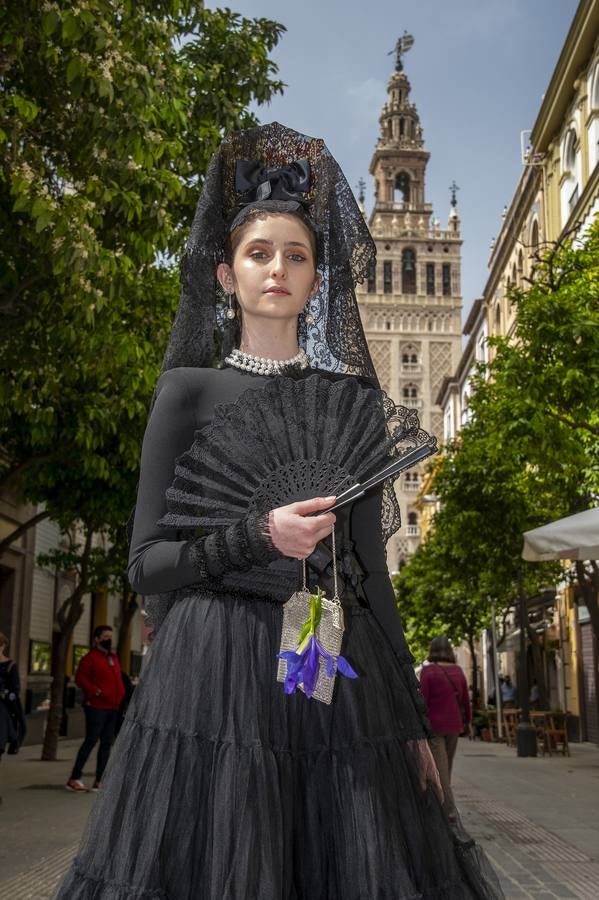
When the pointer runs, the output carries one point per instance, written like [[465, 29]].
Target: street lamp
[[526, 738]]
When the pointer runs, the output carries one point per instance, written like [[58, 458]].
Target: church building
[[411, 302]]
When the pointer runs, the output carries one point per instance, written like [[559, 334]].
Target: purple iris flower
[[303, 666]]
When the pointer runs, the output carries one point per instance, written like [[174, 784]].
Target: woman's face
[[273, 272]]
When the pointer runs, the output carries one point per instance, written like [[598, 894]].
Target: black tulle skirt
[[222, 787]]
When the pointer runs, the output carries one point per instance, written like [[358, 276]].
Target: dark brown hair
[[441, 650]]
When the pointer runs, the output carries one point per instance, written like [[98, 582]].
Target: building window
[[388, 277], [410, 396], [372, 277], [534, 236], [412, 482], [430, 279], [408, 271], [402, 185], [447, 279], [412, 529], [409, 358], [569, 164], [40, 658]]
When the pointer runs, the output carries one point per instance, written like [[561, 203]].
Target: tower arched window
[[534, 236], [372, 276], [446, 279], [387, 276], [412, 529], [410, 395], [409, 357], [408, 271], [402, 187]]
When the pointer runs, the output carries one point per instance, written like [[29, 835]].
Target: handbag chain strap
[[335, 599]]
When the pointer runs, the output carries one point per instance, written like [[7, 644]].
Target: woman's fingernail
[[330, 498]]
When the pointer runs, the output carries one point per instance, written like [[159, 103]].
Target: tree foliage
[[108, 117], [528, 455]]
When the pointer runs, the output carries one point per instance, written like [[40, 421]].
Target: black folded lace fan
[[292, 440]]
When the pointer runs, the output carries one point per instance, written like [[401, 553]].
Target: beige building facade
[[558, 191], [557, 196]]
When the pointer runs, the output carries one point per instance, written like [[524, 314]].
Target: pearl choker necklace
[[260, 365]]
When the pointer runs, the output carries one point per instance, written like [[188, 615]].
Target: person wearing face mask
[[99, 677]]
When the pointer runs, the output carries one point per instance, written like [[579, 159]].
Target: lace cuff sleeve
[[236, 547]]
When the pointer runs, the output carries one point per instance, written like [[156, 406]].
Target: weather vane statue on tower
[[404, 43]]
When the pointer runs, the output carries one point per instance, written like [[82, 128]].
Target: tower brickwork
[[411, 302]]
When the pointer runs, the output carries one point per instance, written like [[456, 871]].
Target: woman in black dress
[[224, 783]]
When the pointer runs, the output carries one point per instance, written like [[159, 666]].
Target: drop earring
[[230, 314], [308, 318]]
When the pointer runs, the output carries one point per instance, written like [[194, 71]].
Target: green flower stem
[[311, 624]]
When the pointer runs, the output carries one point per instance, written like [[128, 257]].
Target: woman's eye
[[258, 254], [297, 257]]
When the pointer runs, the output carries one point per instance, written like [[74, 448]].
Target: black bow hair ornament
[[258, 182]]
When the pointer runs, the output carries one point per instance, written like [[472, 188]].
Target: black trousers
[[100, 726]]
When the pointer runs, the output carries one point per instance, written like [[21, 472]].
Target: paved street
[[536, 818]]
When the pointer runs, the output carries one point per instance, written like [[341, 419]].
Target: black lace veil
[[335, 341]]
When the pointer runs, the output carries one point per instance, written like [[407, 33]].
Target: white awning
[[575, 537]]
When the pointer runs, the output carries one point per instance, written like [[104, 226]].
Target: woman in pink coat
[[445, 692]]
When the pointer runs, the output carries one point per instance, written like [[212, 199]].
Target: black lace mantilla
[[335, 341]]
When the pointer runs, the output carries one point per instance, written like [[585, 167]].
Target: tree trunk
[[471, 645], [67, 616], [60, 645], [129, 606], [25, 526], [538, 666]]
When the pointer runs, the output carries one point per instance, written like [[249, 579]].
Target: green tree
[[539, 397], [487, 499], [529, 455], [108, 117]]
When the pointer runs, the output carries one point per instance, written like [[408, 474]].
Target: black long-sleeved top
[[159, 562]]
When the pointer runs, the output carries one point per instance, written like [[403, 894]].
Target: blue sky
[[478, 70]]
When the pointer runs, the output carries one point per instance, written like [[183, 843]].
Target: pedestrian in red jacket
[[99, 677], [445, 692]]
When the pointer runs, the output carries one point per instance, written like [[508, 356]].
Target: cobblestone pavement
[[537, 820], [529, 859]]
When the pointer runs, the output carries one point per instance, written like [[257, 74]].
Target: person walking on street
[[445, 692], [12, 719], [99, 677]]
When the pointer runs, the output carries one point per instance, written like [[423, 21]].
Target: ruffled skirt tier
[[222, 787]]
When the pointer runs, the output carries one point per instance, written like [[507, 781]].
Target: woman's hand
[[294, 532]]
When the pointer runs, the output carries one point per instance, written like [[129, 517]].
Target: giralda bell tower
[[411, 302]]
